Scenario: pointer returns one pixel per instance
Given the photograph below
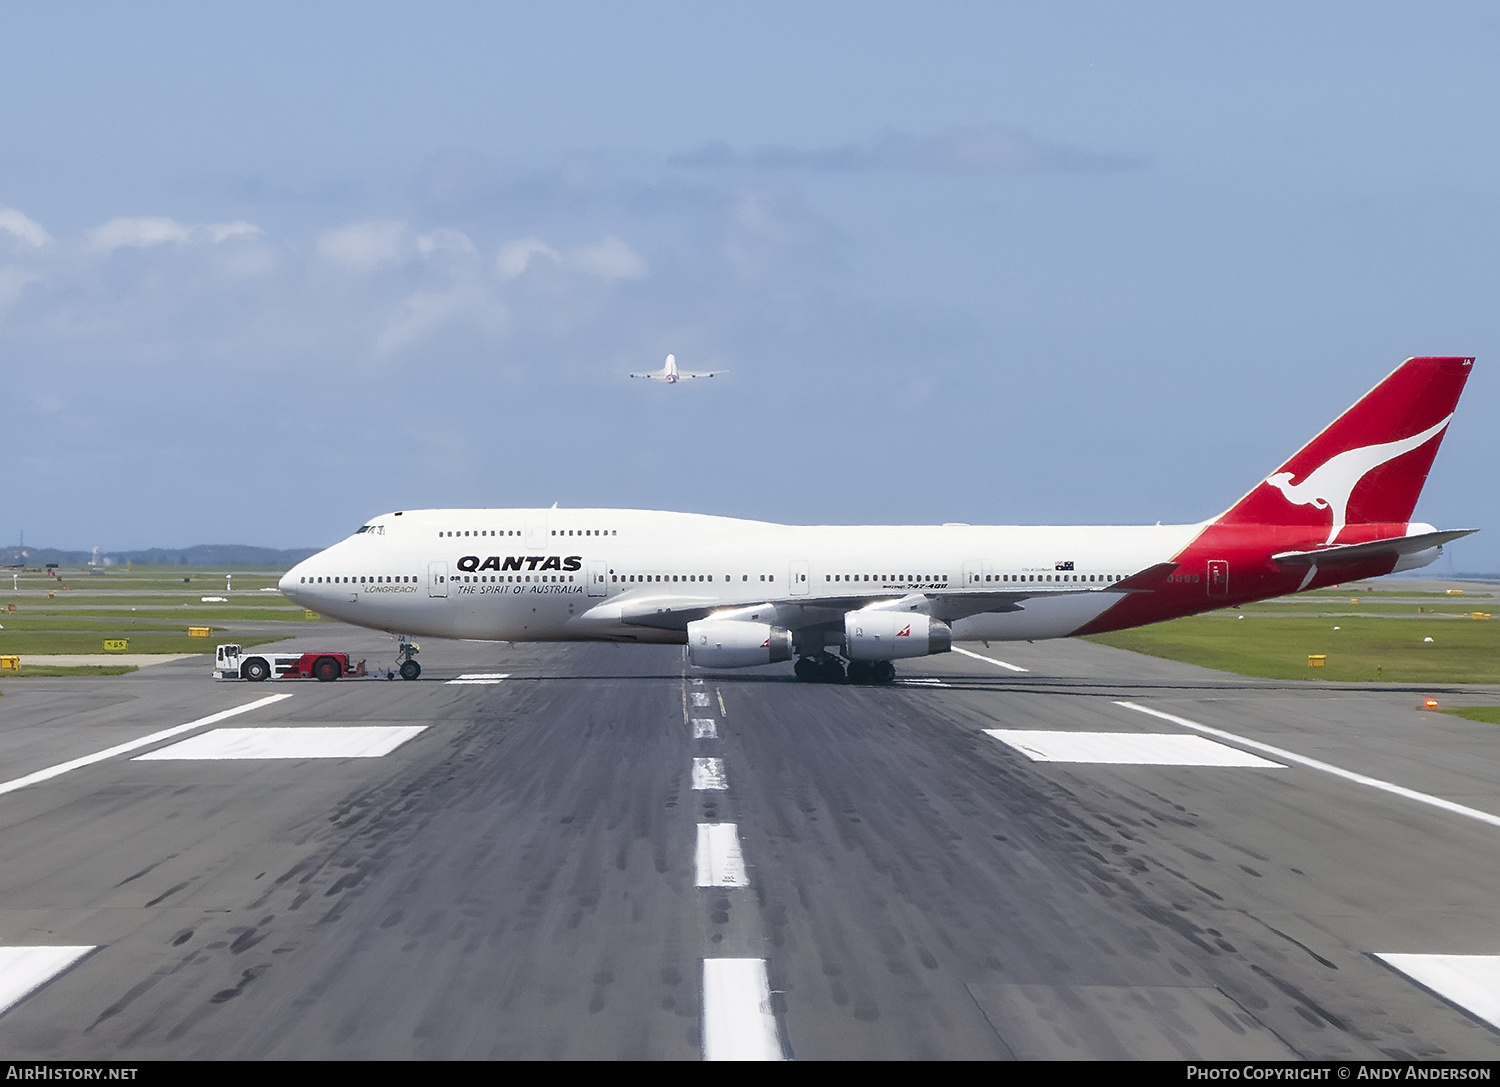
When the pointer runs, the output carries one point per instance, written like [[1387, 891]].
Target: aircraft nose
[[288, 583]]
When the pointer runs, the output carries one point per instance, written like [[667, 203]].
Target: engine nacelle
[[735, 643], [891, 635]]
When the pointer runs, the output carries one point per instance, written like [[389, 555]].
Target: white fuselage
[[591, 575]]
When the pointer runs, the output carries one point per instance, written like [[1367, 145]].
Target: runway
[[596, 852]]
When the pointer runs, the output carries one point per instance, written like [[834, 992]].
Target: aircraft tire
[[806, 670], [883, 671], [831, 671], [859, 671], [326, 669], [255, 670], [410, 670]]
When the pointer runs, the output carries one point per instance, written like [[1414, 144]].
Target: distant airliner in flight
[[846, 601], [671, 375]]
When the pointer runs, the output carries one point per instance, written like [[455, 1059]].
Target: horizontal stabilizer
[[1396, 545]]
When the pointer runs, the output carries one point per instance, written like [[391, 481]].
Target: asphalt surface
[[518, 880]]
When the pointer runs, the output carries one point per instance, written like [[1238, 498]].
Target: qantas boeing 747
[[846, 601], [671, 375]]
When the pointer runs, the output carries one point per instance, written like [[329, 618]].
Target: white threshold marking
[[479, 678], [700, 698], [133, 745], [1470, 981], [23, 970], [1327, 768], [708, 775], [705, 728], [719, 861], [1125, 748], [738, 1024], [343, 742], [991, 660]]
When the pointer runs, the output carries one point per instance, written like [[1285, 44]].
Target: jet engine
[[891, 635], [735, 643]]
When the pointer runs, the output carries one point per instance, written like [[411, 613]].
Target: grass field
[[1362, 648], [152, 607], [1489, 715]]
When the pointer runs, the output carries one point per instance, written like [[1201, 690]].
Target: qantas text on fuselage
[[848, 600]]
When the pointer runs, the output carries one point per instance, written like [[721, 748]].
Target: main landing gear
[[830, 669]]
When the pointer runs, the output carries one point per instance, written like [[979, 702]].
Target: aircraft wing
[[701, 373], [676, 612], [655, 376]]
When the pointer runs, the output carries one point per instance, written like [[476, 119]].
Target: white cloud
[[611, 258], [445, 242], [515, 257], [28, 230], [974, 150], [366, 246], [145, 231], [426, 311], [12, 281]]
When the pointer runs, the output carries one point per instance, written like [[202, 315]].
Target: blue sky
[[267, 271]]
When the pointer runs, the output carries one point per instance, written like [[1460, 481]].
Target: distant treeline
[[197, 555]]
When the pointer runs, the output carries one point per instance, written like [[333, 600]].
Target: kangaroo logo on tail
[[1330, 484]]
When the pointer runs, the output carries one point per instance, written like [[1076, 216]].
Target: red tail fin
[[1369, 465]]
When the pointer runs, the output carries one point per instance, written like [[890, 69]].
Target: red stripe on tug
[[1357, 481]]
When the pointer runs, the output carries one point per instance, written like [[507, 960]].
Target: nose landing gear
[[406, 654]]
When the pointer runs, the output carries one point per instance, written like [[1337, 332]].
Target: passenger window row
[[641, 578], [1052, 577], [510, 577], [517, 532], [915, 579], [351, 580]]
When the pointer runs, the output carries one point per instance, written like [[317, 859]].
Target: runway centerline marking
[[738, 1023], [1470, 981], [23, 970], [718, 860], [135, 745], [1327, 768], [337, 742], [991, 660], [708, 775], [705, 728], [1125, 748], [920, 681], [479, 678]]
